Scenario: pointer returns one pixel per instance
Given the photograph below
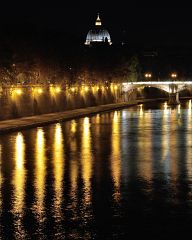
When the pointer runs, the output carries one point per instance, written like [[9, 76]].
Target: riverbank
[[40, 120], [44, 119]]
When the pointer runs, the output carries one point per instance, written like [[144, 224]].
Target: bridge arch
[[173, 88]]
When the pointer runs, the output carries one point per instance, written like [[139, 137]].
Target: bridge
[[171, 87]]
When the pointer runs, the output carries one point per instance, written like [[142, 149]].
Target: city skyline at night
[[141, 25]]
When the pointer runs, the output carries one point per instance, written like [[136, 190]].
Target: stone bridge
[[171, 87]]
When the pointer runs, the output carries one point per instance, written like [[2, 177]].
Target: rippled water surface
[[117, 175]]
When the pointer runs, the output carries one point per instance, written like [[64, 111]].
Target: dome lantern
[[98, 21], [98, 34]]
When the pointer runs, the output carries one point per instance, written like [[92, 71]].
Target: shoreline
[[17, 124]]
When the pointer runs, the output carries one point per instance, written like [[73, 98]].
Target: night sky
[[139, 25]]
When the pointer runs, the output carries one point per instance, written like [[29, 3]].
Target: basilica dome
[[98, 34]]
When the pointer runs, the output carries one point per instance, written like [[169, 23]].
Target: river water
[[119, 175]]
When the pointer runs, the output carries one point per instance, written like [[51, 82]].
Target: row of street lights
[[149, 75]]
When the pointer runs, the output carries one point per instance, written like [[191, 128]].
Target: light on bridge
[[173, 75], [148, 75]]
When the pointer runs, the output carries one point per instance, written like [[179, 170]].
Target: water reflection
[[165, 109], [19, 178], [189, 108], [40, 174], [174, 143], [1, 180], [58, 166], [165, 138], [141, 109], [115, 155], [73, 126], [86, 159], [179, 109], [189, 142], [82, 179], [145, 142]]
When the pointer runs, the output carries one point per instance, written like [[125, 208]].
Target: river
[[119, 175]]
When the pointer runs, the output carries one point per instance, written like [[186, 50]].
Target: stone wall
[[20, 101]]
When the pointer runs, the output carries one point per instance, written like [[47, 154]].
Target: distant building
[[98, 34]]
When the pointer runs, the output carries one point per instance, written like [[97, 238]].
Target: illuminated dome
[[98, 34]]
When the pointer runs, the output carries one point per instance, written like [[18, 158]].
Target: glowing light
[[40, 90], [165, 106], [190, 104], [19, 178], [58, 89], [86, 121], [19, 151], [189, 142], [141, 109], [115, 87], [189, 108], [98, 21], [86, 88], [86, 159], [1, 180], [115, 156], [73, 126], [148, 75], [18, 91], [73, 89], [173, 75], [158, 83], [179, 109], [145, 166], [58, 164], [40, 173]]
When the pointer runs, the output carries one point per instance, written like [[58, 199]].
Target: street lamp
[[173, 75], [148, 75]]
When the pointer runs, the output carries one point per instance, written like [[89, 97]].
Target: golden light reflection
[[40, 173], [116, 157], [189, 142], [173, 145], [165, 106], [1, 179], [58, 164], [165, 133], [73, 126], [98, 118], [189, 108], [73, 173], [19, 178], [141, 110], [145, 147], [179, 109], [86, 160]]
